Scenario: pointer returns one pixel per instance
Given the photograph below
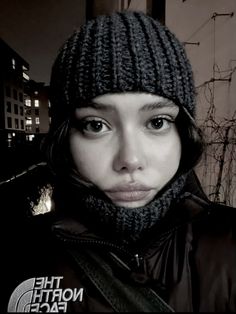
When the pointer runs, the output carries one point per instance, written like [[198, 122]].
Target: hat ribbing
[[121, 52]]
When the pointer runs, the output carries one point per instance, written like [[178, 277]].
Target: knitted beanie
[[121, 52]]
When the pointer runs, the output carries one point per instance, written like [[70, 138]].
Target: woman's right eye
[[93, 126]]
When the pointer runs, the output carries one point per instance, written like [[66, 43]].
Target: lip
[[128, 192]]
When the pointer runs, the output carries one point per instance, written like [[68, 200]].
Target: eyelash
[[84, 124]]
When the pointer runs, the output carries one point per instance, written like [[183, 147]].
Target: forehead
[[129, 101]]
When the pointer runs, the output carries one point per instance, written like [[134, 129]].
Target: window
[[36, 103], [9, 139], [28, 112], [28, 102], [36, 111], [28, 121], [30, 137], [22, 124], [21, 97], [15, 109], [21, 111], [13, 62], [16, 123], [9, 122], [9, 106], [37, 120], [28, 128], [25, 76]]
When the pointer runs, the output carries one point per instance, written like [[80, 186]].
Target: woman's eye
[[159, 123], [93, 126]]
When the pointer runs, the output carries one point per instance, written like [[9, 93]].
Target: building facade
[[36, 110], [24, 105], [13, 76]]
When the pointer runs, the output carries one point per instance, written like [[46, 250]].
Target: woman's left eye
[[159, 123]]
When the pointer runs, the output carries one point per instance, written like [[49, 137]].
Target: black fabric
[[122, 297]]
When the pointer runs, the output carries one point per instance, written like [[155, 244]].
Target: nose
[[129, 156]]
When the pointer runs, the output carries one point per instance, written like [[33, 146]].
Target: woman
[[132, 229]]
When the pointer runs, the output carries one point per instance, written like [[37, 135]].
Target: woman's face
[[127, 145]]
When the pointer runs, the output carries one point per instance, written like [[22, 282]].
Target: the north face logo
[[43, 294]]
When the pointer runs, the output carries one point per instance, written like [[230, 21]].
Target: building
[[36, 110], [13, 76], [24, 105]]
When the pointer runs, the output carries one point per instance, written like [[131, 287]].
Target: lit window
[[30, 137], [9, 139], [13, 62], [36, 103], [37, 120], [28, 121], [25, 76], [36, 92], [28, 102]]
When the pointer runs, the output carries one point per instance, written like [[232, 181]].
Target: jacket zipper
[[134, 258]]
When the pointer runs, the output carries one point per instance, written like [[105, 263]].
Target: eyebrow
[[97, 106], [147, 107], [158, 105]]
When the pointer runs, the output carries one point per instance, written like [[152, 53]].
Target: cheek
[[90, 159], [168, 154]]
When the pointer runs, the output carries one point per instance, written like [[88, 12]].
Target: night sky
[[35, 29]]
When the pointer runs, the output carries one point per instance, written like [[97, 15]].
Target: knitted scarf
[[127, 224]]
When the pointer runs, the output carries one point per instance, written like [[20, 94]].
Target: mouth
[[128, 193]]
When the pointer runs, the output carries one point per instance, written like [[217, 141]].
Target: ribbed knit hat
[[120, 52]]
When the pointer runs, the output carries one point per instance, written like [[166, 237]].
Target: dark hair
[[55, 148], [57, 151], [192, 140]]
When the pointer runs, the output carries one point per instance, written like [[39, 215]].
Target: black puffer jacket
[[189, 259]]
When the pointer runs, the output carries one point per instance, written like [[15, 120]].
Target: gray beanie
[[121, 52]]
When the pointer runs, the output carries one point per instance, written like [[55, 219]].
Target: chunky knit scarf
[[128, 224]]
